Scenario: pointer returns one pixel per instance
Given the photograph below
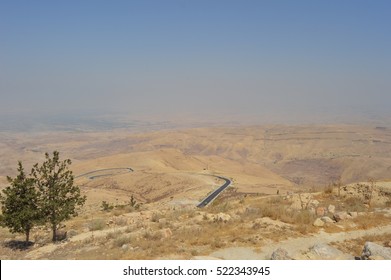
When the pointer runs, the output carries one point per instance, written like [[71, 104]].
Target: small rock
[[222, 217], [321, 211], [327, 220], [331, 209], [353, 214], [313, 203], [280, 254], [318, 223], [340, 216], [373, 249], [125, 247]]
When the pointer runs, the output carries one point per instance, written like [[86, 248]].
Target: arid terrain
[[298, 192]]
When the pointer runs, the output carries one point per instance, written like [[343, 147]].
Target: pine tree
[[19, 204], [58, 196]]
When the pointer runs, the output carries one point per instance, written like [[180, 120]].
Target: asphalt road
[[214, 194]]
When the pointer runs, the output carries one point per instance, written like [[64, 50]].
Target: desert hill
[[304, 155]]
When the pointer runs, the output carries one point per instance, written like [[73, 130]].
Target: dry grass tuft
[[96, 224], [122, 240], [372, 220]]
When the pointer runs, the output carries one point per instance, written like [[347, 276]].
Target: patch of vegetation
[[96, 224], [277, 208], [122, 240], [106, 207], [372, 220], [354, 204], [328, 189], [133, 203], [148, 235]]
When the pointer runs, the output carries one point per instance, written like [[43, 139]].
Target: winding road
[[127, 169], [202, 204]]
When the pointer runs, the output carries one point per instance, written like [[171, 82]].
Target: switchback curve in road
[[216, 192]]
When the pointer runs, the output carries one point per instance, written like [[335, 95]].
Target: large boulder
[[372, 250], [326, 252]]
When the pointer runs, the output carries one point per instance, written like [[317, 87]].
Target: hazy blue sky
[[206, 58]]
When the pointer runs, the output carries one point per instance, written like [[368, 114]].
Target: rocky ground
[[344, 222]]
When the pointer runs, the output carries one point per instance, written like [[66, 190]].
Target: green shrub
[[106, 206]]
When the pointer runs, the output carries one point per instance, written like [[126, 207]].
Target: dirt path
[[296, 247]]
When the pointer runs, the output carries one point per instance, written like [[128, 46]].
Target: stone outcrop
[[374, 251], [303, 201], [367, 192], [327, 252]]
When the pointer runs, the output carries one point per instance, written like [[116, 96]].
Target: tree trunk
[[54, 228], [27, 235]]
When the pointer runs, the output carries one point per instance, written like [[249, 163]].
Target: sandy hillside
[[303, 155]]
